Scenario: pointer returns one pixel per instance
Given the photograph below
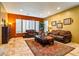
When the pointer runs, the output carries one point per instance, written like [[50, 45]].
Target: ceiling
[[38, 9]]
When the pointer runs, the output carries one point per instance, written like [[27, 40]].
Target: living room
[[39, 28]]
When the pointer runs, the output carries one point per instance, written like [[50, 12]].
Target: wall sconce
[[10, 23]]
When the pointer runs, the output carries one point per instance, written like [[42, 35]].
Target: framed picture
[[59, 25], [67, 21], [53, 23]]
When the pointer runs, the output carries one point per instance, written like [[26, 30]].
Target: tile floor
[[17, 47], [74, 52]]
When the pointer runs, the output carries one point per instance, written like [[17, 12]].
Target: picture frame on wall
[[53, 23], [68, 21], [59, 25]]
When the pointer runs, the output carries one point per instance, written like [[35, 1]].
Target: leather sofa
[[62, 35], [29, 33]]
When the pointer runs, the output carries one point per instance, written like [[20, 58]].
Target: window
[[32, 24], [18, 25], [27, 25], [23, 25], [46, 26], [37, 26]]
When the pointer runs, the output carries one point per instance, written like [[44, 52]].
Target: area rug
[[58, 49]]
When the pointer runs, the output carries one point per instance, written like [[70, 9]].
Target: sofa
[[62, 35], [29, 33]]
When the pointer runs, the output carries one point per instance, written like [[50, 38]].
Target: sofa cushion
[[62, 33], [55, 32]]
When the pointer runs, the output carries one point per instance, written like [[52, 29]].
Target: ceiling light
[[48, 12], [21, 9], [58, 8]]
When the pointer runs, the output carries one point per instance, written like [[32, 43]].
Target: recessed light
[[21, 9], [58, 8], [48, 12]]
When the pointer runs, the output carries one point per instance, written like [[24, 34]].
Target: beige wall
[[74, 27], [3, 15]]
